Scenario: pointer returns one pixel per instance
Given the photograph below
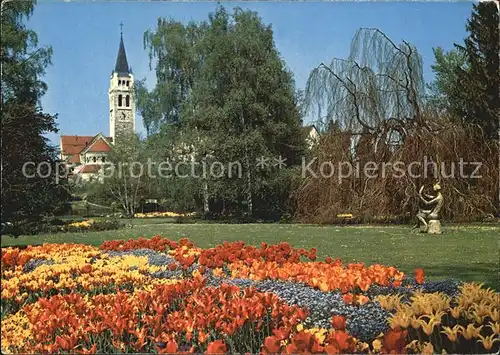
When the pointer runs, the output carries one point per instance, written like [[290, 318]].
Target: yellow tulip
[[413, 346], [417, 309], [456, 311], [471, 331], [488, 341], [479, 319], [428, 327], [320, 336], [495, 327], [389, 302], [377, 345], [481, 311], [400, 319], [438, 316], [494, 314], [405, 309], [427, 308], [415, 323], [362, 347], [452, 334], [435, 317]]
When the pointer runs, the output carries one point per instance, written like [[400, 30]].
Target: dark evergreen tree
[[480, 82], [31, 189]]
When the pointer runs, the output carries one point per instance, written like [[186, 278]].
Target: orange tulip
[[332, 349], [216, 347], [63, 342], [92, 350], [272, 345], [362, 299], [202, 337], [302, 341], [419, 276], [348, 298], [281, 333], [171, 347]]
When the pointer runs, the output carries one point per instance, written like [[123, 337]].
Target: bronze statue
[[431, 215]]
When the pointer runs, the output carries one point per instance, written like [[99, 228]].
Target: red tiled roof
[[73, 145], [100, 146], [89, 168]]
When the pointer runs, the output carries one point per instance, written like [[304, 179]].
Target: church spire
[[121, 66]]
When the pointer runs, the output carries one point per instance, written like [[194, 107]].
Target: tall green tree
[[31, 188], [229, 96], [467, 80], [244, 104], [481, 83], [445, 92]]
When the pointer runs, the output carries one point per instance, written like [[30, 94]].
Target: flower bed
[[163, 214], [91, 225], [158, 295]]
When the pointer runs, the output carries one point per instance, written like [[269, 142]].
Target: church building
[[88, 153]]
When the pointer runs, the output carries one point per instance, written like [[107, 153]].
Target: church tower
[[121, 97]]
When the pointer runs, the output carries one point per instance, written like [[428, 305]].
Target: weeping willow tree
[[379, 87], [378, 113]]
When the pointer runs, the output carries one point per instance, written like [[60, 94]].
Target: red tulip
[[338, 322], [395, 340]]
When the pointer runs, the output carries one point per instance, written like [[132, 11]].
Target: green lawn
[[469, 253]]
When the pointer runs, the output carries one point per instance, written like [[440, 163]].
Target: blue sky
[[85, 38]]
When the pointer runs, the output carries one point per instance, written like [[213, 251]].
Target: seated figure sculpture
[[431, 216]]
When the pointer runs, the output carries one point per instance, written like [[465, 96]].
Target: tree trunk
[[206, 207], [249, 184], [249, 174], [125, 187]]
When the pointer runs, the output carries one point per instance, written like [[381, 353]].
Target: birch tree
[[125, 175]]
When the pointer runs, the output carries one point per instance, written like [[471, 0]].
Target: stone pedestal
[[434, 226]]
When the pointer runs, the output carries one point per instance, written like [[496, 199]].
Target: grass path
[[469, 253]]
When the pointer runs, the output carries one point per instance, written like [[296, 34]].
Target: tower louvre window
[[119, 100], [127, 101], [119, 82], [128, 81]]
